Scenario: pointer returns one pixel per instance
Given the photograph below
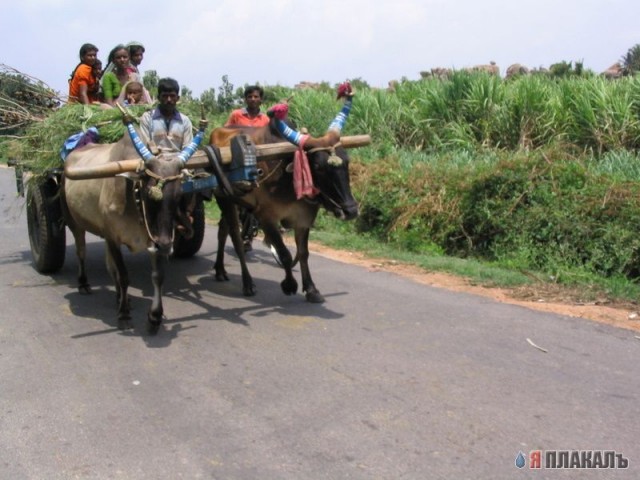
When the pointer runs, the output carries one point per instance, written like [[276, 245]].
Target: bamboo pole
[[199, 159]]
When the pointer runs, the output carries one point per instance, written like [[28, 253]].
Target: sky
[[284, 42]]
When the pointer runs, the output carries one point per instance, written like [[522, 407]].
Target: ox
[[140, 211], [275, 202]]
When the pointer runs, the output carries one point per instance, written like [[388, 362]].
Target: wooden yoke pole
[[200, 160]]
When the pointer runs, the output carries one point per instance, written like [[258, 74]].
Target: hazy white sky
[[288, 41]]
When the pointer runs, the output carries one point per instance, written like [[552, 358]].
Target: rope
[[271, 173], [161, 182]]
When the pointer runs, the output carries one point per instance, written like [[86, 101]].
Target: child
[[96, 71], [132, 94]]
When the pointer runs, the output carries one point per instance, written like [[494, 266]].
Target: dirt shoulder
[[547, 299]]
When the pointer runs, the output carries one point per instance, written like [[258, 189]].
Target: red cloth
[[302, 179]]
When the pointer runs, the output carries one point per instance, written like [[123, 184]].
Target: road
[[388, 379]]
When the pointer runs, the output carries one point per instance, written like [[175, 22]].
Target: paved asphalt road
[[388, 379]]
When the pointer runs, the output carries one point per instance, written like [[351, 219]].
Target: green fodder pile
[[38, 149]]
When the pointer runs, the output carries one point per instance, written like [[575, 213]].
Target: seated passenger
[[83, 84], [136, 54], [132, 94], [118, 75]]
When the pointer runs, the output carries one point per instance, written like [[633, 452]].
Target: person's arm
[[83, 94], [108, 87]]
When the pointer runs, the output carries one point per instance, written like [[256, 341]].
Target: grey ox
[[140, 210]]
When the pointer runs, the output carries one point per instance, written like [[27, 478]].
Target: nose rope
[[161, 182]]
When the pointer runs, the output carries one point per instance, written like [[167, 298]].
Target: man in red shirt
[[250, 116]]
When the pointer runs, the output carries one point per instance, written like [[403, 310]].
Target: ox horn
[[344, 91], [190, 149], [279, 113], [142, 150]]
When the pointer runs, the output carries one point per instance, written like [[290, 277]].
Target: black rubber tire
[[188, 247], [47, 234]]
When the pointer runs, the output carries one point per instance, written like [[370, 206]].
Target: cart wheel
[[47, 234], [188, 247]]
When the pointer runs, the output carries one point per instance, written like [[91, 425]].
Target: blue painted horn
[[142, 150], [190, 149]]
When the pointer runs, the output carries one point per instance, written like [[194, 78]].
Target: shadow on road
[[189, 282]]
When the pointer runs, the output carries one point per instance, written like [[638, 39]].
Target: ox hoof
[[124, 323], [153, 324], [314, 297], [249, 291], [84, 289], [221, 276], [289, 286], [152, 328]]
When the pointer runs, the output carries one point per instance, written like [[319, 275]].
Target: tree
[[566, 69], [359, 84], [225, 95], [186, 94], [208, 100], [631, 61], [150, 80]]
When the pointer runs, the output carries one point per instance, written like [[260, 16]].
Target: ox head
[[159, 188], [328, 162], [330, 172]]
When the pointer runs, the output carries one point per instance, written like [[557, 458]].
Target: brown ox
[[140, 212], [274, 202]]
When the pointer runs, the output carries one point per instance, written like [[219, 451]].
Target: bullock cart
[[227, 171]]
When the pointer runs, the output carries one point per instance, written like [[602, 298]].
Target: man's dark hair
[[168, 85], [254, 88]]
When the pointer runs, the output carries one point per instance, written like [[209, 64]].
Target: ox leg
[[118, 271], [155, 315], [223, 233], [289, 285], [302, 244], [81, 253], [230, 216]]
